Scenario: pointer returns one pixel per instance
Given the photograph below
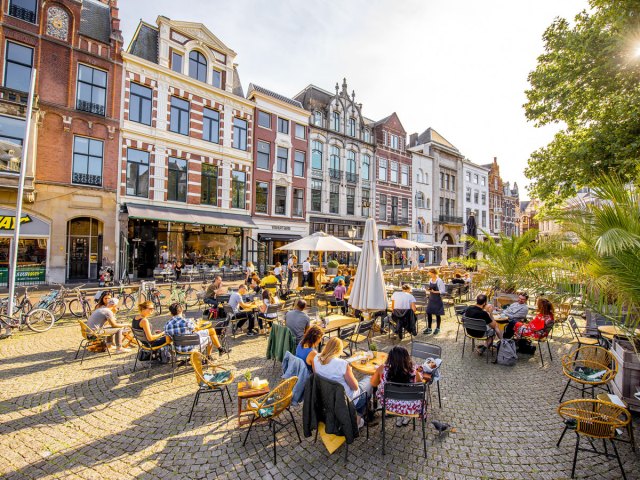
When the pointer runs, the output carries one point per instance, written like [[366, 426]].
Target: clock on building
[[57, 23]]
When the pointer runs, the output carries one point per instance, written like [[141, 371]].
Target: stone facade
[[476, 195], [422, 222]]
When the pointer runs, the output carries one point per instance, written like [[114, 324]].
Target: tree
[[588, 80]]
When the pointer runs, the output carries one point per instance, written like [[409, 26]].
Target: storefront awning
[[185, 215], [278, 236]]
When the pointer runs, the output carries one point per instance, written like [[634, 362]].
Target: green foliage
[[333, 264], [466, 262], [588, 80]]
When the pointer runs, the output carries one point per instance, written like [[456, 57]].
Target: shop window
[[137, 173], [177, 184], [281, 201], [17, 66], [87, 161], [84, 241], [92, 90], [238, 189], [262, 197], [209, 186]]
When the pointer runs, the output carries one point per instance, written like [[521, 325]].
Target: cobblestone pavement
[[60, 419]]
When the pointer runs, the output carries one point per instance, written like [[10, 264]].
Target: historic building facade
[[280, 166], [511, 209], [341, 183], [422, 221], [496, 196], [393, 187], [476, 194], [186, 163], [528, 215], [72, 167]]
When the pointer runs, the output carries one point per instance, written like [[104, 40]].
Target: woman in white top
[[277, 271], [329, 365], [268, 299], [250, 270]]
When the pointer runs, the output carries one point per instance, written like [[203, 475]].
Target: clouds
[[459, 67]]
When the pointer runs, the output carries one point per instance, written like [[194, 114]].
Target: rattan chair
[[405, 392], [270, 406], [208, 383], [591, 357], [595, 420], [145, 346], [474, 324], [92, 337]]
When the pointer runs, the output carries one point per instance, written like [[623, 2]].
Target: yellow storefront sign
[[9, 222]]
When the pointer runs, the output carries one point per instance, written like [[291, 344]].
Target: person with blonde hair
[[141, 322], [329, 365]]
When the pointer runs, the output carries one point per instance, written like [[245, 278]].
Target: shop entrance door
[[79, 259], [84, 244]]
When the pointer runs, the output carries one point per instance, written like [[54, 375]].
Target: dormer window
[[197, 66], [317, 118]]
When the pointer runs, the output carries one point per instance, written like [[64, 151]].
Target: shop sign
[[29, 224], [26, 275], [281, 227]]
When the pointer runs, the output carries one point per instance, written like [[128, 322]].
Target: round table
[[370, 367], [608, 331]]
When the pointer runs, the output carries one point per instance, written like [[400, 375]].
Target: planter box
[[628, 378]]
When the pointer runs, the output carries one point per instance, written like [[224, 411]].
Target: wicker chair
[[92, 337], [209, 384], [562, 316], [593, 419], [589, 357], [270, 406]]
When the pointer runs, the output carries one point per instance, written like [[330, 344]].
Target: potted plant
[[247, 377], [332, 267], [373, 348]]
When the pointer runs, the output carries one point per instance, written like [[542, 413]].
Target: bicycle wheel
[[127, 301], [155, 298], [76, 308], [59, 308], [40, 320], [165, 296], [9, 322], [191, 297]]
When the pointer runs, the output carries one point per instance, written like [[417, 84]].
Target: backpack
[[144, 355], [525, 347], [507, 352], [164, 354]]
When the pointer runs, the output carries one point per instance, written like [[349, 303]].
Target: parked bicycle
[[38, 320], [80, 306], [187, 296], [54, 302], [19, 304], [126, 299]]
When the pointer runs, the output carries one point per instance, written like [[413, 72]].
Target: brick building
[[496, 197], [281, 138], [70, 194], [511, 209], [186, 155], [393, 179], [528, 215]]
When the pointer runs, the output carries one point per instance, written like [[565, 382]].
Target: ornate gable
[[200, 33]]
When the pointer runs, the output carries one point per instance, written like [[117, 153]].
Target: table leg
[[239, 411]]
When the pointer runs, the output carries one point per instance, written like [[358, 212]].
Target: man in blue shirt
[[236, 303], [179, 325]]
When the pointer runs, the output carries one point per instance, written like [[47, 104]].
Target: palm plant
[[513, 261]]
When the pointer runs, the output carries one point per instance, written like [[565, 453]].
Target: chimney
[[413, 140], [116, 33]]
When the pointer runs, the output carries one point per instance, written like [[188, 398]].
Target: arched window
[[351, 162], [334, 160], [366, 167], [352, 127], [419, 200], [318, 118], [316, 155], [419, 175], [197, 66]]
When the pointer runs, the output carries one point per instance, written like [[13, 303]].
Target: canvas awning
[[187, 215]]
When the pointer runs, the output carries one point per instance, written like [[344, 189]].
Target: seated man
[[483, 311], [516, 312], [179, 325], [213, 290], [403, 300], [297, 321], [237, 303], [104, 319], [458, 280]]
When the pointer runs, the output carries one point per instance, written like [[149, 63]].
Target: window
[[351, 201], [17, 67], [283, 125], [419, 200], [404, 174], [334, 160], [264, 119], [336, 121], [11, 130], [140, 98], [483, 181], [239, 134], [468, 213], [92, 90], [301, 131], [447, 182], [216, 78], [176, 62], [495, 184], [366, 167], [299, 164], [484, 219], [394, 172], [211, 125], [209, 185], [394, 209], [197, 66], [317, 118], [383, 207], [87, 161], [382, 169], [419, 176], [334, 198], [404, 212], [484, 198], [442, 180], [475, 178], [352, 127], [316, 195], [394, 142], [281, 201], [351, 165], [367, 135], [298, 202], [476, 195], [262, 197], [137, 173], [179, 122], [264, 155], [316, 155], [177, 188], [24, 10], [366, 202], [468, 194], [282, 159], [238, 189], [468, 175], [453, 183]]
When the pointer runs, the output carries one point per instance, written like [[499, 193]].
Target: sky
[[459, 67]]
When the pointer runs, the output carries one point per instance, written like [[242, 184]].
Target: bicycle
[[80, 306], [24, 304], [54, 302], [129, 300], [39, 320], [176, 293]]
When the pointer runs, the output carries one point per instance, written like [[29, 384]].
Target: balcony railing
[[399, 220], [335, 174], [315, 173], [90, 107], [449, 219], [10, 95], [87, 179], [351, 177], [22, 13]]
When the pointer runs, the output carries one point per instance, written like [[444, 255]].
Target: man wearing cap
[[104, 319]]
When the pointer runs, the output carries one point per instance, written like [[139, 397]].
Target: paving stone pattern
[[60, 419]]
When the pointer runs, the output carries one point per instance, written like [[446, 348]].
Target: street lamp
[[352, 232]]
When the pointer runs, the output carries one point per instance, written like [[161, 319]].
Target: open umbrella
[[368, 293], [400, 243]]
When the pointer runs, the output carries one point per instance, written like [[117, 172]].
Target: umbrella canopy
[[369, 292], [401, 243], [321, 242]]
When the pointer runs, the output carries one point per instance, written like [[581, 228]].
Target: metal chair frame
[[423, 350], [208, 387], [90, 335], [143, 345], [186, 340], [406, 392], [474, 324]]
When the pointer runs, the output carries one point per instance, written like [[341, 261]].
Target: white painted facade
[[475, 194], [422, 221]]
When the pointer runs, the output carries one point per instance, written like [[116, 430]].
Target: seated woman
[[339, 293], [543, 320], [306, 349], [338, 277], [141, 322], [329, 365], [268, 299], [254, 286], [398, 368]]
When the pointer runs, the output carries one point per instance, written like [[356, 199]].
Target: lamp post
[[352, 232]]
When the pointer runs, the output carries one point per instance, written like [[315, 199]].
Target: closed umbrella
[[369, 293]]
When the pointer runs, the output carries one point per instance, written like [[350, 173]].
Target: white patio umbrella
[[369, 293], [321, 242], [401, 244]]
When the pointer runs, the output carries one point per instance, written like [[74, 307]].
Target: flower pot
[[332, 270], [628, 378]]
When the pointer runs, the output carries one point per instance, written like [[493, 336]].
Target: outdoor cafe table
[[245, 391], [369, 368], [608, 331], [336, 322]]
